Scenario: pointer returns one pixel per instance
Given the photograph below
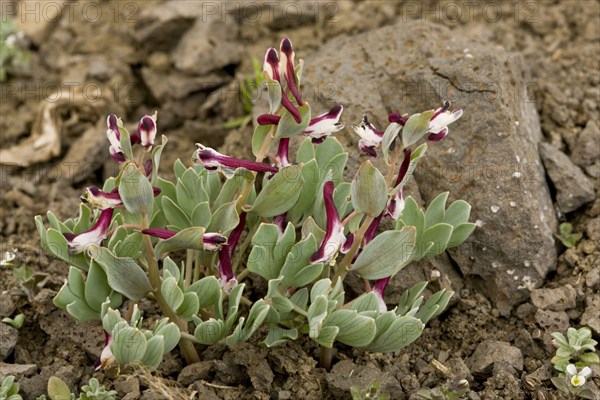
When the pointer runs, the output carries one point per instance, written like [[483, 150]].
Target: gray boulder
[[490, 157]]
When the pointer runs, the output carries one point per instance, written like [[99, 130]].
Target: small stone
[[194, 372], [592, 278], [525, 311], [573, 187], [17, 370], [128, 386], [459, 368], [346, 374], [7, 307], [8, 336], [490, 352], [284, 395], [591, 315], [554, 321], [592, 229], [586, 150], [559, 299]]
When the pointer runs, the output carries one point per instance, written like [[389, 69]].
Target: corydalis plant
[[287, 217]]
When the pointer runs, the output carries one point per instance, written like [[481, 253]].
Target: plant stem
[[197, 266], [187, 347], [325, 357], [189, 265]]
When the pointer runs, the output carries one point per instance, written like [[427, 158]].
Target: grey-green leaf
[[280, 193], [416, 127], [387, 254], [369, 190], [136, 191], [128, 345], [124, 274]]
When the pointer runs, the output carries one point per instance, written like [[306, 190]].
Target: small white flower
[[578, 377]]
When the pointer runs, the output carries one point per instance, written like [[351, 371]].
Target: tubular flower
[[106, 357], [78, 243], [370, 137], [147, 130], [438, 125], [228, 279], [271, 64], [103, 200], [379, 289], [114, 137], [396, 204], [325, 124], [334, 235], [283, 152], [210, 241], [214, 161], [397, 118], [319, 127], [286, 68], [272, 67], [100, 199], [578, 378]]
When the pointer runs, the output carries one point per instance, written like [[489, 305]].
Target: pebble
[[490, 352], [559, 299]]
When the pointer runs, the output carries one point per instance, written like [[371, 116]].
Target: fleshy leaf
[[369, 190], [280, 193], [385, 255]]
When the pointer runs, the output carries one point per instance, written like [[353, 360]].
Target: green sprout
[[566, 235], [13, 56], [17, 322], [370, 392], [454, 389]]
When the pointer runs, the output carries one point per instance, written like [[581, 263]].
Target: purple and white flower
[[286, 68], [371, 137], [271, 64], [114, 137], [578, 377], [325, 124], [334, 235], [272, 67], [228, 279], [438, 125], [379, 289], [396, 204], [79, 242], [210, 241], [397, 118], [106, 357], [283, 153], [147, 130], [100, 199], [212, 160]]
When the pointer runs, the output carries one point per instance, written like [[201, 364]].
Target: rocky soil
[[526, 155]]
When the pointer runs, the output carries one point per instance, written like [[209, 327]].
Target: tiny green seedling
[[566, 235], [371, 392], [454, 389], [16, 322], [13, 54]]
